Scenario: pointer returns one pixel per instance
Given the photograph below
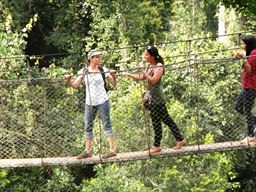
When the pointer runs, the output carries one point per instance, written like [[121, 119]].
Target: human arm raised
[[75, 84], [158, 72], [112, 77], [247, 65], [136, 77]]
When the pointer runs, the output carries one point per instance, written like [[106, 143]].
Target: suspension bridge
[[41, 120]]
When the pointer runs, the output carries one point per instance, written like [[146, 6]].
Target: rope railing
[[237, 34], [43, 118]]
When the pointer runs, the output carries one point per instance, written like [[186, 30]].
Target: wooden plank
[[20, 162], [125, 156]]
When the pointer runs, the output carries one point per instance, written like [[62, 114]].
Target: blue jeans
[[244, 105], [104, 115]]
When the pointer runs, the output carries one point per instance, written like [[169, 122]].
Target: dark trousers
[[159, 114], [244, 105]]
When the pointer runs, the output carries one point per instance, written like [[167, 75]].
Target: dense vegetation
[[72, 28]]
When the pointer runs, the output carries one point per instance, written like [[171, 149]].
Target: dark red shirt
[[249, 78]]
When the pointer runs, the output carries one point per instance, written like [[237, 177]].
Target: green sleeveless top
[[156, 90]]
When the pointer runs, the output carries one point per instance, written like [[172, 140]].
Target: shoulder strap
[[85, 70], [103, 76], [147, 69]]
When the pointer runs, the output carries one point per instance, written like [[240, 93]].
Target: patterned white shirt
[[95, 90]]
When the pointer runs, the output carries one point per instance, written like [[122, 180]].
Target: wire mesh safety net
[[45, 117]]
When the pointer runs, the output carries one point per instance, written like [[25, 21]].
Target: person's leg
[[165, 117], [249, 97], [239, 106], [112, 144], [157, 126], [90, 113], [104, 114]]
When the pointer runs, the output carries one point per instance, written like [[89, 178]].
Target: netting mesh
[[37, 119], [45, 117]]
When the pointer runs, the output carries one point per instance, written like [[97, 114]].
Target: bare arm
[[158, 72], [137, 77], [112, 77], [247, 65], [75, 84]]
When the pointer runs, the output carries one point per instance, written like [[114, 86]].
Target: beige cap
[[93, 53]]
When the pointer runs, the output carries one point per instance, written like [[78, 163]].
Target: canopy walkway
[[41, 119], [128, 156]]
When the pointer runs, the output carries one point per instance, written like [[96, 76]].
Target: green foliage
[[243, 163], [37, 179], [189, 173], [23, 179], [122, 23], [194, 175], [61, 180], [3, 180], [247, 7], [192, 19], [11, 44], [200, 96], [113, 178]]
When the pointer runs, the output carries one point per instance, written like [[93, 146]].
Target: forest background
[[72, 28]]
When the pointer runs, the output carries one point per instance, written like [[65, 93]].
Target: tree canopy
[[51, 38]]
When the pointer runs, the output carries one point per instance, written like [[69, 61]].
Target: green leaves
[[200, 96], [113, 178], [3, 179], [247, 7]]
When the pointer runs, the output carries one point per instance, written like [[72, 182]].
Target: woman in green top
[[158, 110]]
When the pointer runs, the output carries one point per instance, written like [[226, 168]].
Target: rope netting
[[44, 117]]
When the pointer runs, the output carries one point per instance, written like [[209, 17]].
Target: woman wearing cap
[[158, 110], [97, 100], [247, 95]]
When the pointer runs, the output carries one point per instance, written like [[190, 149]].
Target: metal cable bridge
[[42, 119]]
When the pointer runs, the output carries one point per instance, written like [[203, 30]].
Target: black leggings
[[158, 114]]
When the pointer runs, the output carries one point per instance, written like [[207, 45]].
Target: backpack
[[103, 76]]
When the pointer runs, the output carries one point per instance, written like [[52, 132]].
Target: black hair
[[154, 52], [250, 42]]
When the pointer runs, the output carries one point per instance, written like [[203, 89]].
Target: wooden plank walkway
[[126, 156]]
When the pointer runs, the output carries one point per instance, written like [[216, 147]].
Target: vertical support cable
[[187, 47], [100, 139], [241, 86], [29, 69], [197, 111], [45, 108], [142, 88]]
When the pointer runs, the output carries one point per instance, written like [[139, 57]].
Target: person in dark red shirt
[[245, 100]]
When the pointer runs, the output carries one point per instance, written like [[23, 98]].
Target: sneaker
[[180, 144], [154, 149], [83, 155], [108, 155], [247, 139]]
